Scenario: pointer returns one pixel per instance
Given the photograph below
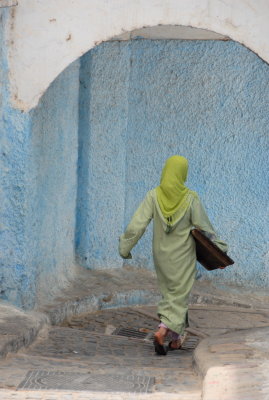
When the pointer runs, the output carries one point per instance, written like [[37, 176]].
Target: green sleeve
[[201, 221], [136, 227]]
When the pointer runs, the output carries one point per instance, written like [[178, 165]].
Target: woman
[[175, 210]]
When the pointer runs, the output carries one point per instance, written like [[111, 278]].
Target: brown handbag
[[208, 254]]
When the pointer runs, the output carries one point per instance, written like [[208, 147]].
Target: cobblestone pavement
[[84, 348], [85, 345]]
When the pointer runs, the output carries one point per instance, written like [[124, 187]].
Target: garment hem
[[171, 326]]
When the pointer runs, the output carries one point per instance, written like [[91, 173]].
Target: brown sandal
[[160, 349], [159, 346], [170, 348]]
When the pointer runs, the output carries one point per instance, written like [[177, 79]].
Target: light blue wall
[[207, 100], [52, 190], [210, 102], [74, 169], [104, 80], [38, 162], [17, 282]]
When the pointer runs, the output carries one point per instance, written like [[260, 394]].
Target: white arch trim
[[46, 36]]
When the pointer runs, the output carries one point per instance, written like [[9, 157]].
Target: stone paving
[[84, 346], [231, 359], [93, 290], [235, 365], [18, 328], [81, 346]]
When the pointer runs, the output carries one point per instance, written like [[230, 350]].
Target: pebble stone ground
[[84, 346]]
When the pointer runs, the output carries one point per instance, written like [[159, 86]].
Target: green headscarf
[[172, 194]]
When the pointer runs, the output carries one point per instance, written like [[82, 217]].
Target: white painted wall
[[46, 36]]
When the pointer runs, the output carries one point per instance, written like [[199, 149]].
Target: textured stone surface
[[204, 292], [211, 320], [17, 328], [127, 383], [83, 351], [138, 103], [90, 291], [17, 282], [38, 161], [102, 136], [70, 395], [52, 184], [63, 37], [95, 290], [235, 366], [205, 100]]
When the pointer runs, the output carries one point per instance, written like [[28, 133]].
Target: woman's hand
[[128, 257]]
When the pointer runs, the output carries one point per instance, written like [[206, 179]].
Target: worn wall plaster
[[38, 161], [205, 100], [52, 183], [45, 37], [138, 103], [104, 80], [17, 283]]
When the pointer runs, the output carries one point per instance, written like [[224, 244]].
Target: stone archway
[[46, 37], [43, 43]]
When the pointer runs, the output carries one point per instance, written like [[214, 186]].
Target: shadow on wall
[[53, 182]]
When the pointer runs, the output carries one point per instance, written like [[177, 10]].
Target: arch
[[45, 37]]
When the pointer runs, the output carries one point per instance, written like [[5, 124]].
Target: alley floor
[[108, 354], [91, 353]]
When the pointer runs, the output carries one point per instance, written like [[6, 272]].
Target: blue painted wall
[[210, 102], [74, 169], [17, 282], [104, 79], [206, 100], [38, 164], [52, 189]]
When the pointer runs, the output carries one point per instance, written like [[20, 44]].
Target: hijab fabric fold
[[172, 194]]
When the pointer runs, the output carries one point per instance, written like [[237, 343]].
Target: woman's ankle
[[160, 335], [175, 344], [163, 331]]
